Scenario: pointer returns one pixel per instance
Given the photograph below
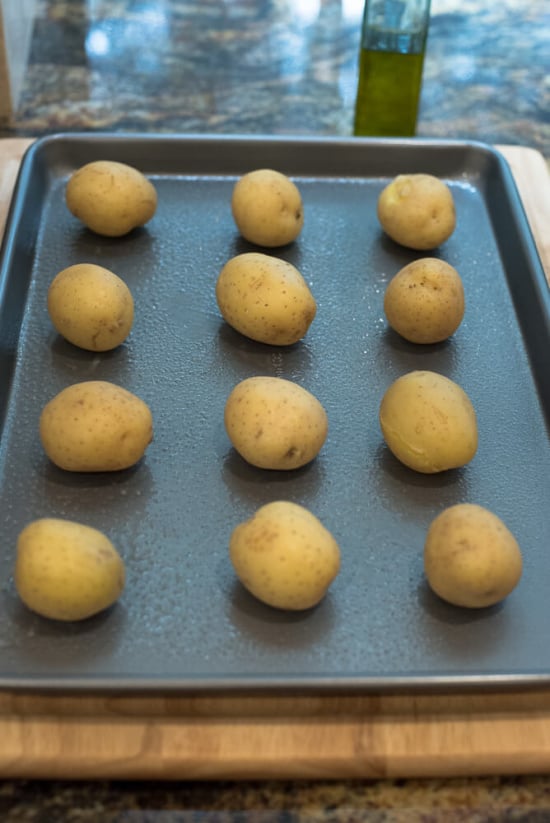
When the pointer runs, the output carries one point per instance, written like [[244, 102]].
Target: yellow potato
[[265, 298], [267, 208], [471, 558], [67, 571], [417, 211], [91, 307], [274, 423], [95, 426], [428, 422], [110, 198], [424, 301], [284, 556]]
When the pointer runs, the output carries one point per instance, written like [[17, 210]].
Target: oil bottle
[[391, 59]]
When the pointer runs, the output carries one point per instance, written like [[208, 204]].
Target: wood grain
[[11, 153], [532, 178], [250, 736], [282, 736]]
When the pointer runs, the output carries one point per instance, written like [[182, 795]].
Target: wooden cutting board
[[284, 736]]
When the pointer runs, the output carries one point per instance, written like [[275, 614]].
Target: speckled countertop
[[506, 800], [277, 67]]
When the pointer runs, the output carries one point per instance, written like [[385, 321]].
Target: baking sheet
[[183, 621]]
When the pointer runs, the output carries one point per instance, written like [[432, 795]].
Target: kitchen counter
[[276, 67], [286, 68], [506, 800]]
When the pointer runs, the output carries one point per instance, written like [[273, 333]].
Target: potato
[[417, 211], [424, 301], [95, 426], [284, 556], [428, 422], [110, 198], [265, 298], [67, 571], [471, 559], [274, 423], [91, 307], [267, 208]]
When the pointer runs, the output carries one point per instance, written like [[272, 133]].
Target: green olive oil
[[388, 93]]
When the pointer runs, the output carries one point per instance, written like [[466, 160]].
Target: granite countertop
[[277, 67], [506, 800]]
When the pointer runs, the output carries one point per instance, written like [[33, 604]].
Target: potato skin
[[274, 423], [424, 301], [91, 307], [66, 570], [95, 426], [417, 211], [265, 299], [284, 556], [471, 558], [428, 422], [267, 208], [110, 198]]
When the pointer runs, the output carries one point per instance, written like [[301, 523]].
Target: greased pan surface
[[184, 622]]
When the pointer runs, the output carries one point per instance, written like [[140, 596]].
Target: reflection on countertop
[[276, 67]]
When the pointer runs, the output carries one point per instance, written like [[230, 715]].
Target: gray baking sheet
[[184, 622]]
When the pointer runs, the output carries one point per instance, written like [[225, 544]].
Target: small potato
[[95, 426], [428, 422], [417, 211], [91, 307], [424, 302], [67, 571], [267, 208], [471, 559], [265, 298], [284, 556], [274, 423], [110, 198]]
